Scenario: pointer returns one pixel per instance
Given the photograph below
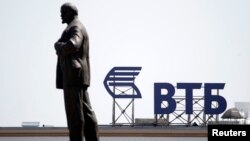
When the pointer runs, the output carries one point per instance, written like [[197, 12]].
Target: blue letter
[[189, 94], [209, 98], [159, 98]]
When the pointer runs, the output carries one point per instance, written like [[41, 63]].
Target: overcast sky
[[172, 40]]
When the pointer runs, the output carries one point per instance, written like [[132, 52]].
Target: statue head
[[68, 12]]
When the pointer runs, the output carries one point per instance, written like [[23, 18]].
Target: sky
[[172, 40]]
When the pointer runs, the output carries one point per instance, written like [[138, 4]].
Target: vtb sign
[[125, 76], [160, 97]]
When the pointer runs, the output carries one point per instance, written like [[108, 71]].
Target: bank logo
[[119, 82]]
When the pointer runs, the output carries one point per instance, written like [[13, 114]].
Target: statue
[[73, 76]]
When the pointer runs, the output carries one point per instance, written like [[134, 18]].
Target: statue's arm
[[72, 45]]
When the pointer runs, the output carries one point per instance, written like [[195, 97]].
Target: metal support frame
[[126, 110], [120, 84], [179, 116], [123, 115]]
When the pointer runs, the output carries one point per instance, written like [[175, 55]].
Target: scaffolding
[[179, 116], [120, 84]]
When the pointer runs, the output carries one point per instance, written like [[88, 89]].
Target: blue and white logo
[[119, 82]]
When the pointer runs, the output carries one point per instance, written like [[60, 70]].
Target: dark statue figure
[[73, 76]]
